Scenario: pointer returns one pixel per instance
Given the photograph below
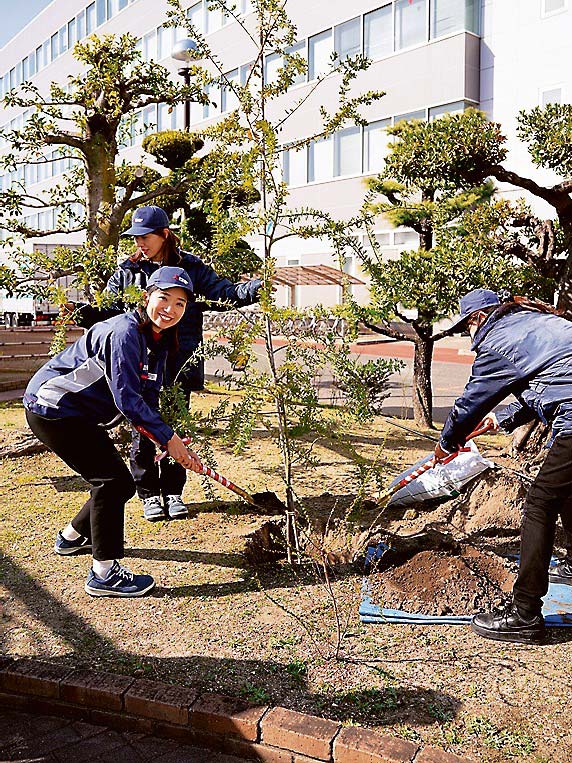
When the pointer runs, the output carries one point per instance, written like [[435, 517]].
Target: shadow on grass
[[261, 681]]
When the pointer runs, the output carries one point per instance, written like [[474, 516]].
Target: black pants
[[163, 478], [88, 450], [549, 495]]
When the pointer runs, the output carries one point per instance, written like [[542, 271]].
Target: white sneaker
[[175, 506], [152, 509]]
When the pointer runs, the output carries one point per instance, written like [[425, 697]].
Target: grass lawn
[[269, 635]]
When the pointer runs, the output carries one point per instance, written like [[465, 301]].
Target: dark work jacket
[[206, 283], [520, 352], [113, 370]]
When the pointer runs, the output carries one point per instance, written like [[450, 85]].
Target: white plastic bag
[[443, 481]]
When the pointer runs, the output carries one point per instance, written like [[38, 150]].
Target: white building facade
[[429, 56]]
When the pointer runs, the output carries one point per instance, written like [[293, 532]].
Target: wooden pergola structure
[[312, 275]]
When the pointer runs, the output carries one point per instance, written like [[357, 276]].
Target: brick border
[[211, 721]]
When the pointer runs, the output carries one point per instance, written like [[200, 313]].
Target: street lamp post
[[184, 50]]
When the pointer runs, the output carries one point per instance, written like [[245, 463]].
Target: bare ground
[[270, 634]]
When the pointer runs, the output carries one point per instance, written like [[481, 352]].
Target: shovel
[[266, 500]]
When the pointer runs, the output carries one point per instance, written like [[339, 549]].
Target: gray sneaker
[[152, 509], [175, 506]]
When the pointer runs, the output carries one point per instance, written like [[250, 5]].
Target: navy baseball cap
[[478, 299], [146, 220], [168, 277]]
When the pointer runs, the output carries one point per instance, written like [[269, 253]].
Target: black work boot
[[509, 625], [561, 572]]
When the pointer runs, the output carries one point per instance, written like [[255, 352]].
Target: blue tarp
[[557, 608]]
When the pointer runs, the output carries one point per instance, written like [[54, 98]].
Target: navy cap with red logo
[[168, 277], [147, 220]]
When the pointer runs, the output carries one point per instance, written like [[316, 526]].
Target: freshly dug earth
[[279, 634], [439, 583]]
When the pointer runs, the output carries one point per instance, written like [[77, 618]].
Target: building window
[[347, 39], [122, 4], [347, 152], [320, 160], [215, 19], [450, 108], [101, 8], [272, 64], [195, 16], [165, 117], [164, 45], [90, 18], [410, 23], [112, 8], [150, 46], [294, 166], [375, 145], [299, 49], [72, 33], [552, 95], [211, 109], [245, 71], [319, 54], [228, 98], [553, 6], [421, 114], [449, 16], [80, 24], [150, 119], [406, 238], [378, 32], [63, 39]]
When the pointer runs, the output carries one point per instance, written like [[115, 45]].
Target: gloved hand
[[440, 453]]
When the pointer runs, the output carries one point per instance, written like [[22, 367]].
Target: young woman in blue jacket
[[115, 370], [160, 487]]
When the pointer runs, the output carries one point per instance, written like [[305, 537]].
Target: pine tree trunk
[[422, 386], [565, 280]]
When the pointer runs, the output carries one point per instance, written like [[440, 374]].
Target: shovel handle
[[206, 470], [433, 461], [227, 483]]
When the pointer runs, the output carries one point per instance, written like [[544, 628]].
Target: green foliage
[[172, 148], [508, 742], [548, 133], [365, 384], [359, 705], [246, 155], [453, 152], [257, 695]]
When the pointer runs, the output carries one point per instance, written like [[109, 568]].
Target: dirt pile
[[439, 583], [490, 505]]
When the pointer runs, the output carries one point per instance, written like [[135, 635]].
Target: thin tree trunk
[[422, 386]]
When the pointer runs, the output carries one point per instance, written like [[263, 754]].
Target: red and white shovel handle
[[432, 461], [206, 470]]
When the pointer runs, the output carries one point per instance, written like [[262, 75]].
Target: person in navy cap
[[524, 349], [114, 371], [160, 487]]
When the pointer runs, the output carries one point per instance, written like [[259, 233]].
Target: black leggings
[[165, 477], [88, 450]]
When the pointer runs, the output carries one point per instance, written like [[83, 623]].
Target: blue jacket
[[113, 370], [520, 352], [206, 284]]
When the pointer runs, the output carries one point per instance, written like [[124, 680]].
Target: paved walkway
[[27, 738]]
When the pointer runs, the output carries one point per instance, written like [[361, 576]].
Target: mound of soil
[[490, 504], [438, 583]]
